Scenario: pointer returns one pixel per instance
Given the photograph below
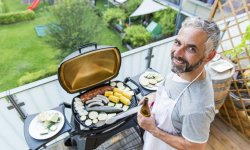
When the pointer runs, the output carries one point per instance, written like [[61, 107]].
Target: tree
[[136, 36], [75, 24]]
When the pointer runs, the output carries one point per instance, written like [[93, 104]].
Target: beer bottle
[[145, 111]]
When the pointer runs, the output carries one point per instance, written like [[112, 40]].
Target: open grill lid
[[95, 66]]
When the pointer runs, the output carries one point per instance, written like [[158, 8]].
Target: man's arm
[[148, 123]]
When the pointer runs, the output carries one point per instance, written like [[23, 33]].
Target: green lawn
[[22, 51]]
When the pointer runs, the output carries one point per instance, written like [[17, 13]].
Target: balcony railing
[[47, 93]]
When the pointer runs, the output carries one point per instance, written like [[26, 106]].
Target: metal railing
[[17, 103]]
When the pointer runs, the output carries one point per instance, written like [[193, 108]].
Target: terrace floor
[[221, 137]]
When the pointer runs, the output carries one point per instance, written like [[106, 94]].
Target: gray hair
[[210, 27]]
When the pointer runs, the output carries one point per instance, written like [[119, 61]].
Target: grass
[[23, 52]]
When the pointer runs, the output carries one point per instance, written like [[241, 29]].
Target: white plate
[[221, 65], [150, 88], [36, 126]]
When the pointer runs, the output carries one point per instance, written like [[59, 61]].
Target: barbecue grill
[[89, 68]]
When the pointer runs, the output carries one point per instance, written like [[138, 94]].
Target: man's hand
[[147, 123]]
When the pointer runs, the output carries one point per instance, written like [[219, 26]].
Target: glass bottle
[[145, 111]]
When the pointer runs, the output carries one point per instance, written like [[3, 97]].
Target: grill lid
[[82, 71]]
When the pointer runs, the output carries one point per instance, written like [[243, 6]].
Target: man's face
[[188, 51]]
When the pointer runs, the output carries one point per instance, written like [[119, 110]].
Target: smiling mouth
[[178, 61]]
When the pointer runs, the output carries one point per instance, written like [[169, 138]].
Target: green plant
[[243, 45], [131, 5], [34, 76], [136, 36], [113, 14], [75, 24], [166, 19], [14, 17]]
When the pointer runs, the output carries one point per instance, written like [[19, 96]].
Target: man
[[184, 106]]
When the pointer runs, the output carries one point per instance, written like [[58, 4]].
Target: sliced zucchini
[[44, 131], [120, 84], [88, 122], [119, 105], [53, 127], [95, 121], [102, 116], [93, 115], [111, 104], [82, 118], [111, 115], [113, 84], [125, 108]]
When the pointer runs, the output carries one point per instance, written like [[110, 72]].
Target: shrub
[[34, 76], [113, 14], [131, 5], [166, 19], [14, 17], [136, 36]]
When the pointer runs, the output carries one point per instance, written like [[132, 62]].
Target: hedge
[[34, 76], [14, 17]]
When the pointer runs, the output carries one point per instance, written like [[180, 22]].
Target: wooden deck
[[221, 137]]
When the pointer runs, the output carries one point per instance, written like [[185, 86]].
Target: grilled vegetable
[[88, 122], [111, 104], [118, 105], [95, 104], [93, 115], [124, 100], [108, 93], [127, 95], [114, 99], [107, 109], [44, 131], [102, 116], [125, 108], [95, 121], [113, 84], [82, 118]]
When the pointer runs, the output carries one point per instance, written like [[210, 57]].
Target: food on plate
[[150, 79], [107, 109], [49, 122], [98, 91]]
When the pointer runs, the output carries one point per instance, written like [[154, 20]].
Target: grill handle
[[87, 45]]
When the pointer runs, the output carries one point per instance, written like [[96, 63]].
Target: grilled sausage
[[93, 93]]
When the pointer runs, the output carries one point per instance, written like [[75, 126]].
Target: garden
[[28, 56]]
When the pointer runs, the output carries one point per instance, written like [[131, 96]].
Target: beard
[[186, 67]]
